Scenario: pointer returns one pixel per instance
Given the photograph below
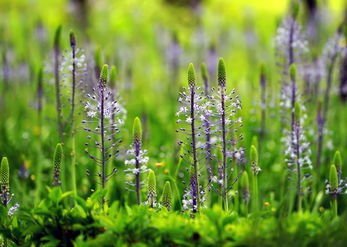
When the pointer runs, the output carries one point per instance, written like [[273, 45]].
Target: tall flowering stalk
[[262, 104], [298, 156], [138, 159], [336, 186], [225, 126], [100, 109], [73, 66], [57, 53], [192, 115], [255, 170], [330, 54], [204, 74]]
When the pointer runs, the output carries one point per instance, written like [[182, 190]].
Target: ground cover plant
[[173, 123]]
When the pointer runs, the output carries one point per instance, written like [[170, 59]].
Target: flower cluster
[[100, 109], [138, 161]]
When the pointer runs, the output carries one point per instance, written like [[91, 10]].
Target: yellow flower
[[166, 171], [32, 177], [266, 204]]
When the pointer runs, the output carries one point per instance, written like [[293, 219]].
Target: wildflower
[[101, 103], [139, 160], [13, 209], [193, 106], [225, 125]]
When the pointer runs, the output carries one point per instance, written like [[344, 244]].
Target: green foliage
[[137, 130], [191, 74], [167, 196], [104, 75], [5, 173], [221, 73]]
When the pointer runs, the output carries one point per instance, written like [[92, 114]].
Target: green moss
[[221, 73]]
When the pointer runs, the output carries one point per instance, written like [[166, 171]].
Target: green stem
[[73, 167], [255, 199], [335, 208]]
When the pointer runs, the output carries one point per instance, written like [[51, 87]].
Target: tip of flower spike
[[167, 196], [137, 130], [104, 74], [72, 39], [262, 69], [57, 36], [255, 141], [297, 111], [204, 73], [4, 172], [254, 155], [295, 10], [191, 74], [113, 76], [292, 72], [337, 161], [151, 182], [98, 57], [244, 181], [333, 178], [221, 73]]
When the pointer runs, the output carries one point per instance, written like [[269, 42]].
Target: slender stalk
[[298, 164], [335, 207], [137, 136], [326, 100], [57, 84], [73, 153], [263, 106], [103, 179], [224, 151], [195, 162]]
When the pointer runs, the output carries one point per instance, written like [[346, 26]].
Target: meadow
[[173, 123]]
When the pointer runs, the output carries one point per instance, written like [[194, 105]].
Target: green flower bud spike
[[167, 196], [57, 164], [5, 174], [113, 76], [245, 192], [254, 159], [255, 141], [191, 75], [72, 39], [137, 130], [57, 37], [5, 181], [337, 161], [104, 75], [334, 183], [221, 73], [152, 188], [297, 112], [292, 72], [204, 73]]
